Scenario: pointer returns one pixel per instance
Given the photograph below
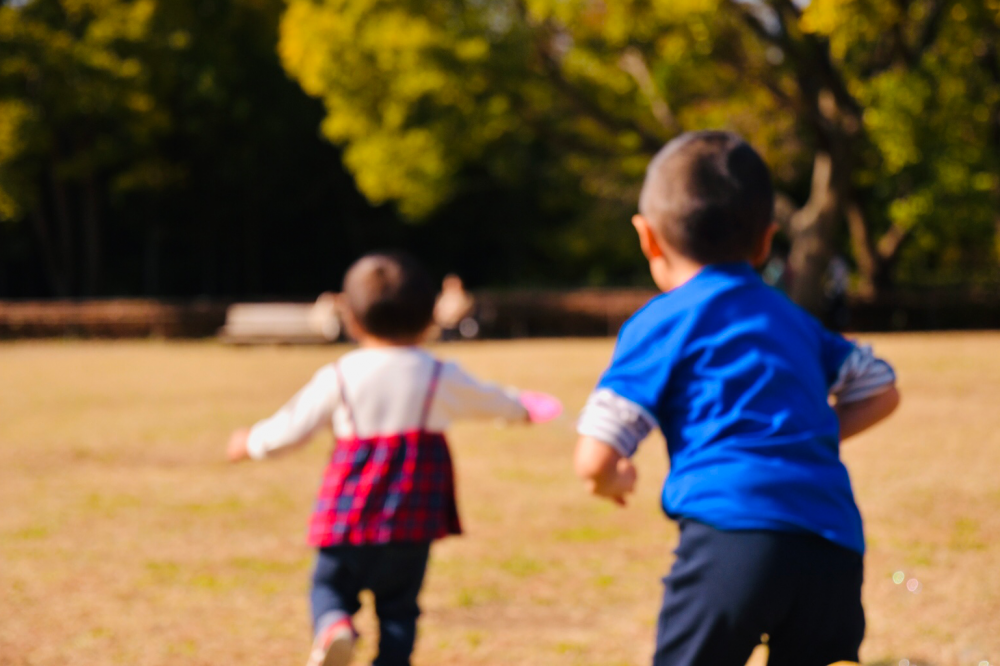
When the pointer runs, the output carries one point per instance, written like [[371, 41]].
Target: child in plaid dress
[[388, 490]]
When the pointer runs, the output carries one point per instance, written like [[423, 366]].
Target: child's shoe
[[333, 645]]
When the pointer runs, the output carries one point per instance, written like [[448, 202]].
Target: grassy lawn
[[125, 538]]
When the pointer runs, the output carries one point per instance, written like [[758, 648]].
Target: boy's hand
[[604, 471], [622, 484], [237, 448]]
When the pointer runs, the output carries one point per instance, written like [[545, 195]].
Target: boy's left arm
[[865, 391], [856, 417]]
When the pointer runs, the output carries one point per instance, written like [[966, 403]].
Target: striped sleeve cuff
[[616, 421], [862, 376]]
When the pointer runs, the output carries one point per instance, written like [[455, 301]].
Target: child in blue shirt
[[739, 380]]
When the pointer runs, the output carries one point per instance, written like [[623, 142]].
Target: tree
[[158, 147], [878, 116], [70, 91], [900, 116]]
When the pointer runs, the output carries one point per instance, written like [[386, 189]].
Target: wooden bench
[[282, 323]]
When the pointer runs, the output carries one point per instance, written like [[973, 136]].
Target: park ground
[[125, 539]]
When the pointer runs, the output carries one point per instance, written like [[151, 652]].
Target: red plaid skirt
[[387, 489]]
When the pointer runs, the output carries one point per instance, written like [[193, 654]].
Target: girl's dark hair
[[390, 295], [709, 194]]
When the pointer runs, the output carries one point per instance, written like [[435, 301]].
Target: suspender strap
[[431, 390], [343, 399]]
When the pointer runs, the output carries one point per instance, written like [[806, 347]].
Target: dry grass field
[[125, 538]]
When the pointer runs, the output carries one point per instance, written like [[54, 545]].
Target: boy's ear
[[764, 250], [647, 237]]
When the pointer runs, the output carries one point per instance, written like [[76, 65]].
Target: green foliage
[[137, 130], [931, 114], [517, 128], [407, 90], [16, 130], [68, 65], [418, 90]]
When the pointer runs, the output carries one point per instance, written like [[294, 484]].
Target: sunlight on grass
[[586, 534], [121, 518]]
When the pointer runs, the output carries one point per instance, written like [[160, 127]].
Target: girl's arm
[[462, 396], [309, 410]]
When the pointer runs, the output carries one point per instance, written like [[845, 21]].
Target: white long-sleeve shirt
[[385, 388]]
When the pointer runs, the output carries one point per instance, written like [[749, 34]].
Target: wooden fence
[[501, 314]]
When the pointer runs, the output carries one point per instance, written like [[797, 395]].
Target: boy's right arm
[[604, 471], [611, 428]]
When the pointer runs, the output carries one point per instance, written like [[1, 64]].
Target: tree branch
[[864, 251], [899, 52], [929, 31], [751, 17], [582, 103], [890, 243], [634, 64], [550, 67]]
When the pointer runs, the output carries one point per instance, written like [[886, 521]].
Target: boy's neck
[[672, 269]]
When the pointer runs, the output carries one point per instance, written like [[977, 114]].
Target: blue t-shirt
[[738, 378]]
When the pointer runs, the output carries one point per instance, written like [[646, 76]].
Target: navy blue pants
[[393, 572], [727, 589]]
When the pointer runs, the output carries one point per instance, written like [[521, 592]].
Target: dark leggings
[[393, 572], [726, 589]]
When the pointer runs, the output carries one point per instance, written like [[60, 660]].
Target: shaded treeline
[[167, 153], [160, 147]]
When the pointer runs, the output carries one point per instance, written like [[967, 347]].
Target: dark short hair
[[390, 295], [709, 194]]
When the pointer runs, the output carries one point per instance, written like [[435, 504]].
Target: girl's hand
[[237, 448]]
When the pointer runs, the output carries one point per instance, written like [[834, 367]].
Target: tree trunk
[[151, 261], [865, 254], [209, 263], [813, 228], [92, 238], [65, 252], [253, 231], [57, 278]]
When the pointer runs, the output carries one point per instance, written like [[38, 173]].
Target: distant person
[[453, 312], [775, 270], [835, 288], [738, 379], [323, 318], [388, 490]]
